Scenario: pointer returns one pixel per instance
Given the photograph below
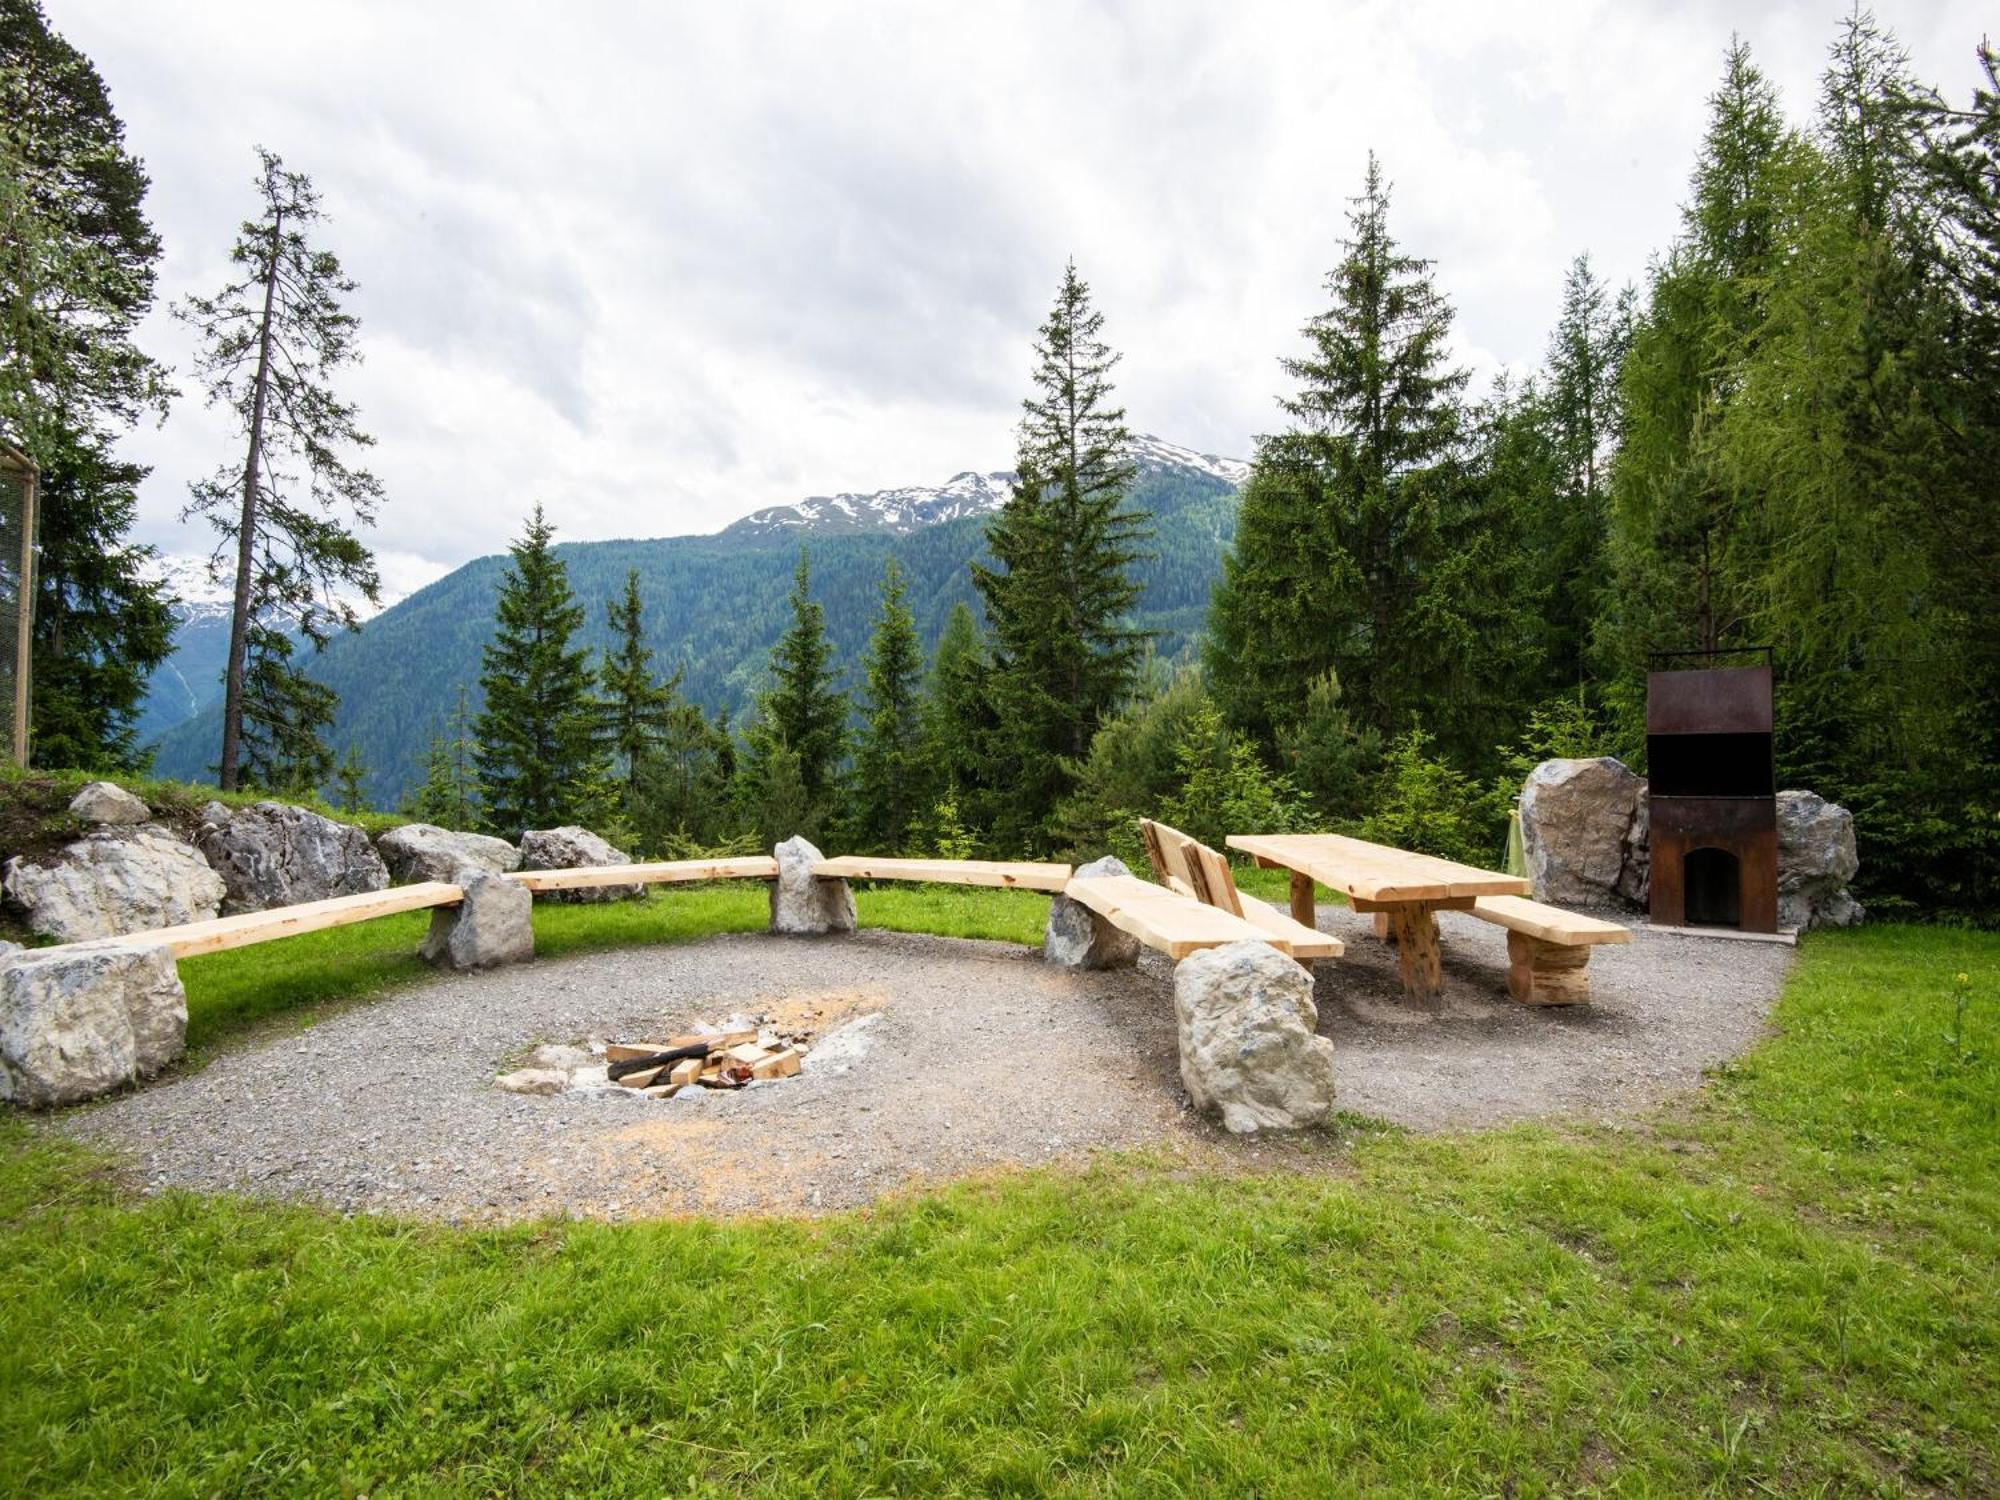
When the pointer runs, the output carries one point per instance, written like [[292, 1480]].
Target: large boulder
[[105, 804], [493, 925], [801, 905], [424, 851], [274, 854], [113, 882], [573, 848], [78, 1022], [1581, 831], [1249, 1044], [1078, 938], [1816, 860]]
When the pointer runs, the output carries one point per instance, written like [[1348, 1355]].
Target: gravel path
[[977, 1057]]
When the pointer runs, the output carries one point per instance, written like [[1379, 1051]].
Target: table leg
[[1382, 929], [1304, 909], [1415, 930]]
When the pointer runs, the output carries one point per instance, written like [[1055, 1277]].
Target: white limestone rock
[[1078, 938], [1581, 832], [801, 905], [572, 848], [274, 854], [113, 882], [493, 925], [76, 1023], [1816, 860], [423, 851], [542, 1081], [105, 804], [1249, 1048]]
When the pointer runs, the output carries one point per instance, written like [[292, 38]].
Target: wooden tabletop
[[1375, 872]]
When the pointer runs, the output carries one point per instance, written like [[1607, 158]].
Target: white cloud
[[658, 269]]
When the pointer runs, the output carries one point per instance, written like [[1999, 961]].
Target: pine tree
[[271, 342], [1365, 546], [77, 268], [449, 793], [803, 715], [959, 723], [890, 784], [348, 779], [285, 719], [636, 703], [542, 758], [1060, 593]]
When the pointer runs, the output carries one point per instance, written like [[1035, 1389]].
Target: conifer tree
[[542, 758], [286, 715], [958, 718], [271, 342], [804, 716], [77, 269], [636, 703], [889, 775], [449, 793], [348, 779], [1060, 592], [1364, 547]]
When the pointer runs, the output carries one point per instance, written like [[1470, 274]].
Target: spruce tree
[[286, 715], [349, 778], [959, 723], [1059, 595], [449, 793], [271, 342], [636, 703], [804, 716], [77, 271], [542, 758], [1365, 546], [890, 784]]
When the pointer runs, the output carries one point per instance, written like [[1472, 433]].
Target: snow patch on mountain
[[199, 596], [900, 511]]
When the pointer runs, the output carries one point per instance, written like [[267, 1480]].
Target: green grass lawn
[[1789, 1283]]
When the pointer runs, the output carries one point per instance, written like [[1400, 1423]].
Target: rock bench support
[[1250, 1048], [493, 925], [77, 1022], [803, 905], [1078, 938]]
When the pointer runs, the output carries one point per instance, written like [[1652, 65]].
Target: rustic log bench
[[1017, 875], [1178, 924], [1186, 865], [1547, 948]]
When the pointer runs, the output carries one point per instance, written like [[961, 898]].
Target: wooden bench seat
[[1548, 948], [1177, 924], [1017, 875], [661, 872], [217, 933], [1187, 865]]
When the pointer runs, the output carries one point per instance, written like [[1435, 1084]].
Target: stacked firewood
[[714, 1060]]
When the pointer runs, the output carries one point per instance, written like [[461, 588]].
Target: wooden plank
[[1375, 872], [666, 872], [1307, 942], [1548, 924], [1162, 919], [190, 939], [1003, 874]]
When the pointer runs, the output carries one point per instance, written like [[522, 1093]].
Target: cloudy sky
[[657, 266]]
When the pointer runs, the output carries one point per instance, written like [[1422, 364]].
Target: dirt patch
[[937, 1058]]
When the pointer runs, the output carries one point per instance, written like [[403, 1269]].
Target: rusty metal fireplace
[[1712, 792]]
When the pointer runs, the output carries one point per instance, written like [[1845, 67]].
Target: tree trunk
[[246, 537]]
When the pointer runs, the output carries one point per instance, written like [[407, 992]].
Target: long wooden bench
[[1019, 875], [191, 939], [1177, 924], [1188, 866], [662, 872], [1548, 948]]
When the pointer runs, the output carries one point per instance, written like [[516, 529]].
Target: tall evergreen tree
[[890, 784], [1060, 594], [959, 723], [77, 267], [272, 340], [636, 703], [1364, 546], [800, 732], [542, 758]]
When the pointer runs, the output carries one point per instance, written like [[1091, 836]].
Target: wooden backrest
[[1181, 861]]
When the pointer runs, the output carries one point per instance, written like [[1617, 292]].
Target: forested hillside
[[713, 607]]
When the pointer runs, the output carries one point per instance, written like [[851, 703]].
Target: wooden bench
[[1001, 874], [190, 939], [1547, 948], [663, 872], [1190, 867], [1178, 924]]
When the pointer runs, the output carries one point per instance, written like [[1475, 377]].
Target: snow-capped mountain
[[904, 510], [200, 597]]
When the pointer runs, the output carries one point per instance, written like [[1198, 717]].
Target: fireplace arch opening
[[1713, 881]]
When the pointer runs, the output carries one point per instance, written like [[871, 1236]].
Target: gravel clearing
[[942, 1057]]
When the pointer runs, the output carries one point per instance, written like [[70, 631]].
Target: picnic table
[[1409, 890]]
